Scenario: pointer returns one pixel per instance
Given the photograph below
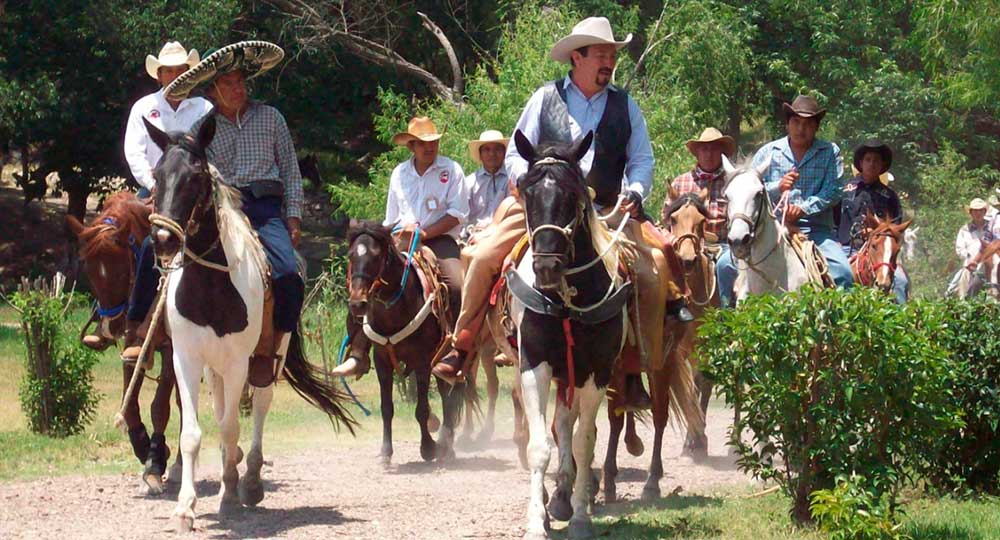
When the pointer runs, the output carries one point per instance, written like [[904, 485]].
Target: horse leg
[[137, 435], [589, 401], [229, 432], [633, 443], [384, 372], [520, 435], [423, 412], [471, 378], [176, 470], [251, 489], [615, 421], [658, 389], [696, 442], [535, 386], [559, 505], [452, 398], [492, 391], [188, 382], [156, 463]]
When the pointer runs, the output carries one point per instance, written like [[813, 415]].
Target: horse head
[[184, 186], [687, 215], [990, 257], [884, 240], [371, 251], [108, 250], [556, 205], [747, 206]]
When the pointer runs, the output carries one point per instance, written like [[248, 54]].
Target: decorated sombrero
[[251, 57]]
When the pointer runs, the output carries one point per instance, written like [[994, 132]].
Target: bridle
[[566, 231], [109, 315], [377, 281], [864, 261], [702, 255], [761, 201]]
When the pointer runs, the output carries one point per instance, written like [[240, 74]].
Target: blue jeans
[[726, 272], [840, 267], [900, 281], [144, 288]]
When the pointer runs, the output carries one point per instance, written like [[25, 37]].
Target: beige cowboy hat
[[253, 58], [420, 128], [590, 31], [490, 136], [172, 54], [712, 135], [977, 204]]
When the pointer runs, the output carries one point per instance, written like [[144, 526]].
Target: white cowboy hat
[[490, 136], [172, 54], [420, 127], [590, 31], [977, 204], [251, 57]]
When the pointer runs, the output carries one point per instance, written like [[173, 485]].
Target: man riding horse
[[253, 151], [490, 184], [619, 168], [865, 194], [808, 170], [708, 176], [971, 239]]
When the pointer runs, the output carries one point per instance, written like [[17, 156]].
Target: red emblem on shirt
[[154, 113], [444, 177]]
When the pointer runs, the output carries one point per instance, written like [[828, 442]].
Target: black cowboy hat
[[873, 145], [804, 106], [252, 57]]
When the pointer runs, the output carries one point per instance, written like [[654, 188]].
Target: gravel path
[[342, 492]]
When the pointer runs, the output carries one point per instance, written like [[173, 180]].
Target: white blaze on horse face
[[886, 277], [360, 250], [741, 194], [102, 271]]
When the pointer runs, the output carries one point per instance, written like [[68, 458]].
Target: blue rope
[[406, 267], [111, 312], [340, 360]]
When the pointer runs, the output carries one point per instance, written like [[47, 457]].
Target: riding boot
[[449, 368], [358, 360], [636, 397], [135, 334], [262, 366], [96, 342], [139, 439], [678, 309]]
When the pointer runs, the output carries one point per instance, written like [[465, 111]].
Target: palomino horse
[[988, 278], [398, 319], [109, 249], [214, 307], [876, 261], [687, 214], [569, 309]]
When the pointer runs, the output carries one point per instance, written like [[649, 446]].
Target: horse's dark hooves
[[559, 507], [651, 493], [610, 493], [251, 493], [428, 450]]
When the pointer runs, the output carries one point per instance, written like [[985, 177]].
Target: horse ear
[[871, 220], [703, 194], [916, 229], [206, 132], [762, 168], [74, 225], [524, 147], [582, 146], [672, 193], [903, 226], [159, 137], [727, 166]]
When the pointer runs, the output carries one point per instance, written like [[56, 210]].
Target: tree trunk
[[735, 119]]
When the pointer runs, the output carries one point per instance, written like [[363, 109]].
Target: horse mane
[[239, 239], [692, 198], [122, 216]]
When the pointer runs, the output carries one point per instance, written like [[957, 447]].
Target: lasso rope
[[161, 290], [343, 380]]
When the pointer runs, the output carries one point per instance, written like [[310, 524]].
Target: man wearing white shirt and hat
[[619, 167], [489, 185]]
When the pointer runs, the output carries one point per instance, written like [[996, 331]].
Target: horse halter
[[566, 231], [190, 228], [377, 280], [753, 223], [863, 257]]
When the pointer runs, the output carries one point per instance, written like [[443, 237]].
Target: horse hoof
[[581, 529], [433, 422], [651, 493], [428, 450], [251, 493], [386, 460], [154, 483], [634, 446], [559, 507], [230, 504], [184, 523], [610, 494]]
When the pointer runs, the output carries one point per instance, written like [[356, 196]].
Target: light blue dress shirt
[[818, 186]]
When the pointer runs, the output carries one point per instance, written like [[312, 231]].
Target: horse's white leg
[[229, 430], [188, 372], [535, 386], [251, 487], [559, 506], [492, 391], [589, 400]]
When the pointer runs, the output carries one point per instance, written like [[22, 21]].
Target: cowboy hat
[[876, 146], [804, 106], [711, 135], [977, 204], [590, 31], [252, 57], [419, 128], [172, 54], [490, 136]]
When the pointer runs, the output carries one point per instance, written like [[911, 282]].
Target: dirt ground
[[343, 492]]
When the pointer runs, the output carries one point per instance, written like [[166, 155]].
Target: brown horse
[[109, 248], [876, 261], [988, 261]]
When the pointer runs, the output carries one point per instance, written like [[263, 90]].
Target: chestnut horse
[[875, 263]]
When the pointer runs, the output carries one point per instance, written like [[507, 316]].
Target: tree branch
[[458, 83], [649, 48]]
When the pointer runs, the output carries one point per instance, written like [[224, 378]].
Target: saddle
[[811, 258]]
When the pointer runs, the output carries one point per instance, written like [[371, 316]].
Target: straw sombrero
[[490, 136], [252, 57]]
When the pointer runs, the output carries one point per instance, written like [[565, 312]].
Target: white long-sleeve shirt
[[142, 153], [426, 199], [970, 240], [585, 115]]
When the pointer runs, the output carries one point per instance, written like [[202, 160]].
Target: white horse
[[214, 302], [910, 243], [756, 238]]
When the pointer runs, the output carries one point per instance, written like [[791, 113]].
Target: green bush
[[57, 392], [830, 383], [970, 457], [851, 512]]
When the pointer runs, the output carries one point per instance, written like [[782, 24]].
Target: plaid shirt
[[259, 148], [819, 185], [688, 182]]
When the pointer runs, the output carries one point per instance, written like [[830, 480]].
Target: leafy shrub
[[970, 458], [57, 392], [830, 383], [851, 512]]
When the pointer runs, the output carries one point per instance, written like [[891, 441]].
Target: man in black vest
[[618, 166]]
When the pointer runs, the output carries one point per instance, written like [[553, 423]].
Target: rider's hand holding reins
[[792, 214], [787, 182], [631, 204], [294, 225]]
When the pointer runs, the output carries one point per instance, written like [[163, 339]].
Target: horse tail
[[308, 382], [685, 408], [473, 405]]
